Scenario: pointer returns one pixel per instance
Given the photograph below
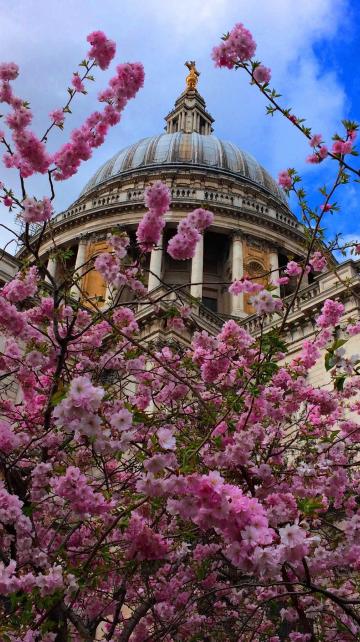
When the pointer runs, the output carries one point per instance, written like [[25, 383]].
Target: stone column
[[155, 265], [79, 262], [197, 270], [51, 268], [274, 267], [237, 301]]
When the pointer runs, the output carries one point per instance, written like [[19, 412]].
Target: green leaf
[[310, 505]]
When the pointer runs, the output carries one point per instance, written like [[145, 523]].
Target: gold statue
[[193, 75]]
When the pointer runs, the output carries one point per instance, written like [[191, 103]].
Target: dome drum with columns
[[254, 231]]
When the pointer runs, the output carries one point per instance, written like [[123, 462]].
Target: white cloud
[[47, 38]]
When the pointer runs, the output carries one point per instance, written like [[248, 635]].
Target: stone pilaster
[[78, 271], [237, 272], [51, 268], [197, 270], [155, 265], [274, 267]]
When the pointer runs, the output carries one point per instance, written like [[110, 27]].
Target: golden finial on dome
[[193, 75]]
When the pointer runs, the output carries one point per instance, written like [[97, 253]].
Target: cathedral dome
[[180, 149]]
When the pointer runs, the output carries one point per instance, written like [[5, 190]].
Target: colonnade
[[197, 270]]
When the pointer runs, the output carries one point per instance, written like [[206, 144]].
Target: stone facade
[[254, 231]]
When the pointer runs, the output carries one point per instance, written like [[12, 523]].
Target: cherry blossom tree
[[170, 492]]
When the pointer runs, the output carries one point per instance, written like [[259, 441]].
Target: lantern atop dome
[[189, 114]]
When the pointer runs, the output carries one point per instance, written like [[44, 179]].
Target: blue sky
[[312, 47]]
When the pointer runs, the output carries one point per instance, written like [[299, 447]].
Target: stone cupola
[[189, 113]]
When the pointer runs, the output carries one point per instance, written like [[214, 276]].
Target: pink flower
[[102, 49], [284, 179], [293, 269], [326, 207], [23, 286], [108, 265], [8, 439], [264, 302], [32, 153], [315, 140], [262, 74], [7, 201], [77, 83], [292, 536], [341, 147], [318, 262], [36, 211], [121, 420], [239, 46], [19, 118], [166, 438], [245, 285], [57, 116], [182, 246], [8, 71], [149, 231], [122, 87], [158, 198], [282, 280], [200, 219], [331, 313]]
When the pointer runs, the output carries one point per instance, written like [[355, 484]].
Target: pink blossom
[[19, 118], [77, 83], [166, 438], [341, 147], [331, 313], [158, 198], [149, 231], [122, 87], [262, 74], [199, 218], [353, 329], [282, 280], [8, 71], [108, 265], [326, 207], [119, 244], [292, 535], [7, 201], [74, 488], [36, 211], [8, 438], [315, 140], [264, 302], [182, 246], [121, 420], [32, 153], [285, 180], [319, 155], [245, 285], [293, 269], [23, 286], [238, 46], [318, 262], [57, 116], [102, 49]]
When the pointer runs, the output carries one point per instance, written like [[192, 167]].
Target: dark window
[[210, 303]]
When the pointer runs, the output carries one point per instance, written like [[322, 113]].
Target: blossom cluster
[[183, 244], [128, 80], [238, 45], [157, 199]]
